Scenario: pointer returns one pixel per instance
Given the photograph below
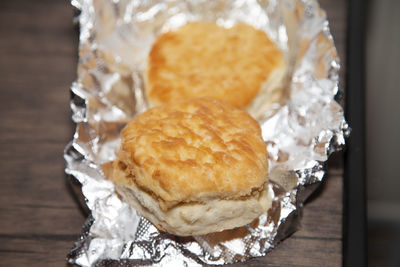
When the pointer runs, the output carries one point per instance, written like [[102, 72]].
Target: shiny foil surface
[[300, 132]]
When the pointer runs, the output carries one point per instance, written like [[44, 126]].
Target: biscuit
[[193, 167], [202, 59]]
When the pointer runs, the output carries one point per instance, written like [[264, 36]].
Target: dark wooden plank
[[39, 218], [322, 216], [35, 251]]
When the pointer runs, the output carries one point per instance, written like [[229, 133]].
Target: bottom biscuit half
[[197, 218]]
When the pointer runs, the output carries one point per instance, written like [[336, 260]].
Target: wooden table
[[39, 217]]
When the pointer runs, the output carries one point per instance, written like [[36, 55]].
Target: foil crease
[[115, 39]]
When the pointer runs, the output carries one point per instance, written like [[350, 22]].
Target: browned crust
[[202, 59], [195, 150]]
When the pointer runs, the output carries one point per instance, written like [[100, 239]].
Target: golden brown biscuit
[[202, 59], [194, 167]]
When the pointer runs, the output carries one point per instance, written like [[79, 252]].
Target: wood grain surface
[[39, 216]]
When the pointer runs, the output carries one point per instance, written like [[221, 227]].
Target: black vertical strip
[[354, 219]]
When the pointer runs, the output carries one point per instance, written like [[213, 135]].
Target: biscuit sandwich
[[240, 66], [193, 167]]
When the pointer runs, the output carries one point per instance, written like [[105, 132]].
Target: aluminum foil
[[115, 39]]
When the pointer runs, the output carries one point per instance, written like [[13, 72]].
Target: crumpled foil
[[115, 39]]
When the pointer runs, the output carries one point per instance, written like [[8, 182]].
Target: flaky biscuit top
[[202, 59], [196, 150]]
